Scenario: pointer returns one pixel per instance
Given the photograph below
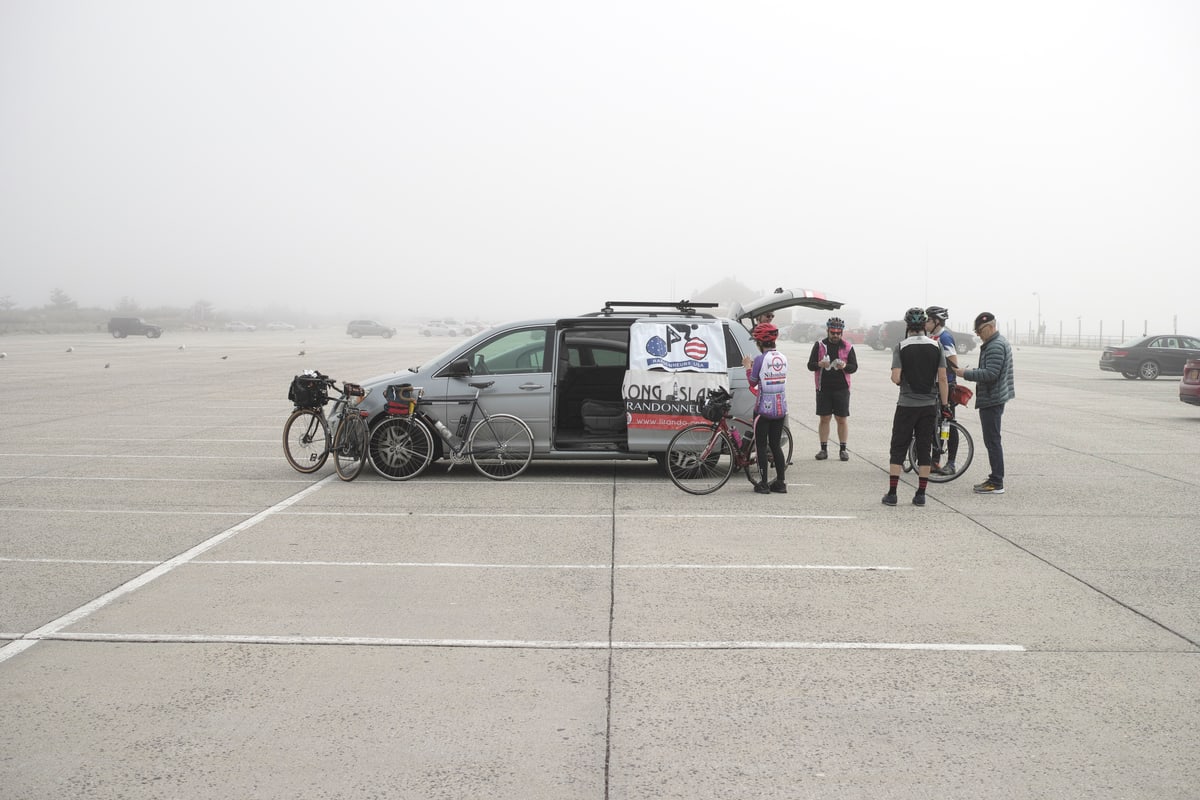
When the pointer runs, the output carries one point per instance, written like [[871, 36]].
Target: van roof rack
[[678, 307]]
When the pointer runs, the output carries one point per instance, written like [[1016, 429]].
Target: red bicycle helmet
[[765, 333]]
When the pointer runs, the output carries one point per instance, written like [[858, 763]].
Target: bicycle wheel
[[306, 440], [910, 461], [350, 446], [700, 459], [399, 448], [501, 446], [962, 458], [751, 470], [941, 447]]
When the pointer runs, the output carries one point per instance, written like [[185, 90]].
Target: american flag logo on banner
[[696, 348]]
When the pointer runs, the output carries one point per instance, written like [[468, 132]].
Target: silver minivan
[[567, 378]]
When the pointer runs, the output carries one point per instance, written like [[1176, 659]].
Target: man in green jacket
[[994, 379]]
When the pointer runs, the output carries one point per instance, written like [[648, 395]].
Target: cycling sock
[[843, 445], [922, 483], [824, 446], [893, 480]]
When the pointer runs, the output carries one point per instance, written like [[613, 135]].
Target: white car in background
[[439, 327], [237, 325]]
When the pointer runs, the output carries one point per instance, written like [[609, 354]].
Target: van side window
[[733, 353], [584, 347], [511, 353]]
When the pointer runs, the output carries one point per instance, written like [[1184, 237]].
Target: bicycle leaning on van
[[702, 456], [401, 446]]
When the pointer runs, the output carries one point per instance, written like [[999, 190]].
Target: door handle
[[531, 387]]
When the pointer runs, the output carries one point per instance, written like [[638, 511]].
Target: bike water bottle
[[443, 431], [737, 437], [944, 431]]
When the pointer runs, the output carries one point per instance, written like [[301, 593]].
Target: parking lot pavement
[[182, 615]]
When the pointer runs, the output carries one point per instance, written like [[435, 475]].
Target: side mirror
[[459, 368]]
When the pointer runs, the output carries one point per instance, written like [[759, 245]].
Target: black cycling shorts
[[909, 422], [836, 403]]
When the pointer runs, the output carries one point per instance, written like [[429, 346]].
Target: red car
[[1189, 387]]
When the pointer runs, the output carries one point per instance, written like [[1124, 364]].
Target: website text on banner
[[671, 364]]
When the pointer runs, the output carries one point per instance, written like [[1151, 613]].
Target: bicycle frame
[[456, 442], [499, 445], [741, 460], [340, 405]]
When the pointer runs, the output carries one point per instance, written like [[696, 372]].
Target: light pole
[[1039, 318]]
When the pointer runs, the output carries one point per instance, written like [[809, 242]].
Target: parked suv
[[120, 327], [369, 327], [887, 335], [570, 379]]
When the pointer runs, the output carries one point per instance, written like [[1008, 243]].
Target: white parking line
[[372, 641], [437, 515], [130, 511], [604, 515], [174, 437], [110, 479], [70, 618], [468, 565], [116, 456], [736, 516]]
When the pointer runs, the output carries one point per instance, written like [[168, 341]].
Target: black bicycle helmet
[[835, 323], [938, 313], [915, 318]]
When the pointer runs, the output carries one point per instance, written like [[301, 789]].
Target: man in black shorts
[[833, 361], [919, 369]]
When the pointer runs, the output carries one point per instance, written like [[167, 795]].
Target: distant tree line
[[62, 307], [62, 313]]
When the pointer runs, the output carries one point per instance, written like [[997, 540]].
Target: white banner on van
[[658, 400], [677, 346]]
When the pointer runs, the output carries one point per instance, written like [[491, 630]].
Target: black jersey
[[918, 359]]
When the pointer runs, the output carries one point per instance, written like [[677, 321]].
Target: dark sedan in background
[[1150, 356]]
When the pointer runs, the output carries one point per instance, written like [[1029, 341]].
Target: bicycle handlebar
[[347, 389]]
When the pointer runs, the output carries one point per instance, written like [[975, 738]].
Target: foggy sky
[[505, 159]]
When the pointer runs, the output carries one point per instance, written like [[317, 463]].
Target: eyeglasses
[[767, 316]]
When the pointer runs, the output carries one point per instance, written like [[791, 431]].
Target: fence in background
[[1084, 335]]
